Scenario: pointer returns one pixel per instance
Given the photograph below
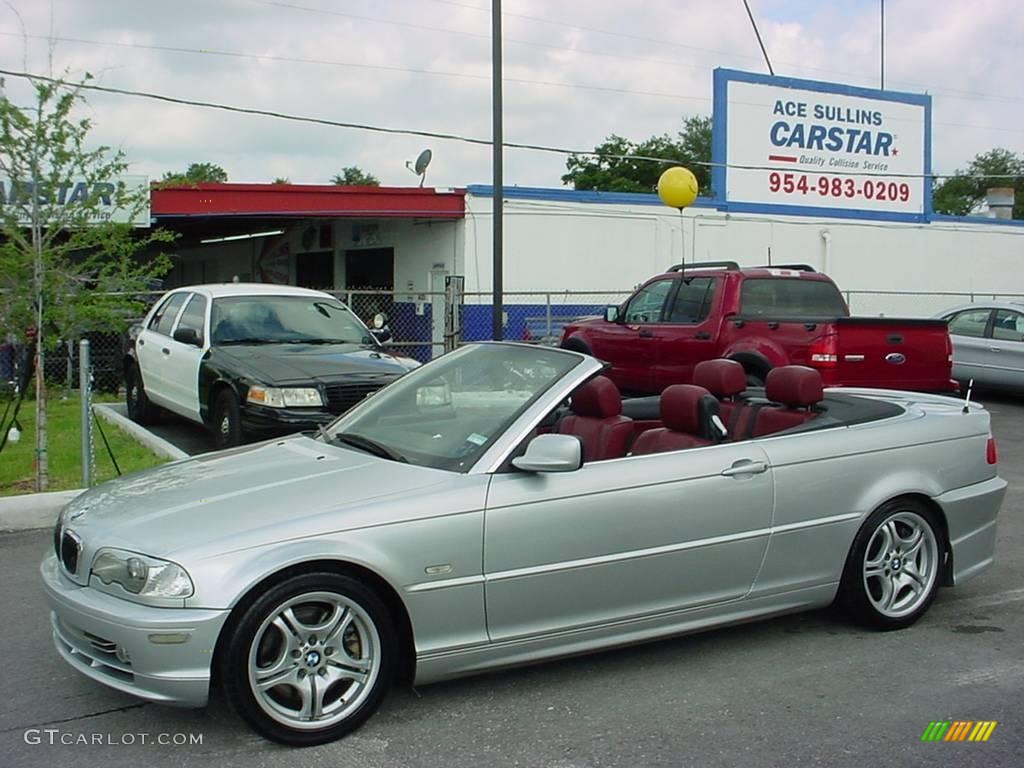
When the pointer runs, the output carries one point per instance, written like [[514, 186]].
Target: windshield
[[448, 412], [282, 319]]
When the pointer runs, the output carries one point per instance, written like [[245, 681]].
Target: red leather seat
[[686, 412], [597, 420], [797, 389], [725, 379]]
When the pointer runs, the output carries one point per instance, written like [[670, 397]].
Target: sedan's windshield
[[447, 413], [277, 319]]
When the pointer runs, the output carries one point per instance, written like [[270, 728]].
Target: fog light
[[170, 638]]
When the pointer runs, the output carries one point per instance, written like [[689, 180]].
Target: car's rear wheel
[[893, 570], [311, 659], [227, 420], [140, 409]]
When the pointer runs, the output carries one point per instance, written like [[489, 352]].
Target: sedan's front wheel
[[311, 659], [893, 569], [227, 420]]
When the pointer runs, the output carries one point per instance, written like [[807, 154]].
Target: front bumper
[[110, 640], [259, 419]]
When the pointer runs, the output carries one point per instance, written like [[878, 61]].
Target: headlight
[[141, 575], [285, 397]]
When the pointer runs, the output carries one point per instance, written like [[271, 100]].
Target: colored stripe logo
[[958, 730]]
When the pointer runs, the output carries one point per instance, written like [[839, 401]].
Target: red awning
[[307, 200]]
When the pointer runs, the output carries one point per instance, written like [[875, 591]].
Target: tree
[[964, 192], [65, 261], [281, 180], [616, 167], [197, 173], [355, 176]]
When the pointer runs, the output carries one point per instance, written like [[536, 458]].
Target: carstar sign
[[803, 147]]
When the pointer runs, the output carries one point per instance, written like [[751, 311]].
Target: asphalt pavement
[[804, 690]]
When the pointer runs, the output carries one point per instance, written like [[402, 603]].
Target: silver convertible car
[[502, 505]]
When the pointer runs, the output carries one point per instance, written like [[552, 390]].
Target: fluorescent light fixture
[[268, 233]]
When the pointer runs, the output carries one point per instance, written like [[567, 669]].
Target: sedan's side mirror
[[551, 453], [188, 336], [611, 314], [379, 327]]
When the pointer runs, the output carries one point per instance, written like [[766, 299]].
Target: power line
[[760, 42], [336, 63], [950, 92], [437, 73], [452, 136]]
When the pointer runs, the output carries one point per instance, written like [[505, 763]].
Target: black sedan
[[253, 360]]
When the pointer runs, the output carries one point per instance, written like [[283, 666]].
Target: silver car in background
[[464, 518], [988, 343]]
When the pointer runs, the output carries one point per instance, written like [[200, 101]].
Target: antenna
[[967, 400], [420, 166]]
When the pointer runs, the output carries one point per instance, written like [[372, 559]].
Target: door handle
[[995, 349], [702, 335], [166, 351], [745, 467], [645, 334]]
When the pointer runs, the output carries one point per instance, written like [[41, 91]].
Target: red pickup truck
[[762, 317]]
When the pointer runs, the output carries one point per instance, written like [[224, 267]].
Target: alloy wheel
[[901, 565], [314, 660]]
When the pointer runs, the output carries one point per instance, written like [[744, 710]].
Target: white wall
[[560, 245]]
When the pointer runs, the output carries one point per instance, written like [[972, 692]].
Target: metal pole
[[547, 318], [498, 193], [882, 71], [85, 400]]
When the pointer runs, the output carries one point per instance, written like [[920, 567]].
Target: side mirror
[[611, 314], [379, 327], [551, 453], [188, 336]]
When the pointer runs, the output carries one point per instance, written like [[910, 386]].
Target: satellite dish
[[420, 166]]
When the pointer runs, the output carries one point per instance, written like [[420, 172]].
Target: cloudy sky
[[575, 72]]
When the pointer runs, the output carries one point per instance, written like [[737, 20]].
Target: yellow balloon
[[677, 187]]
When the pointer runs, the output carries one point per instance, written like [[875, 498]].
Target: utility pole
[[498, 192], [882, 46]]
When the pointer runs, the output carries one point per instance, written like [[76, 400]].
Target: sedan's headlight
[[141, 575], [285, 397]]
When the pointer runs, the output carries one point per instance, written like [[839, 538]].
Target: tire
[[310, 628], [894, 567], [755, 377], [140, 409], [576, 345], [227, 420]]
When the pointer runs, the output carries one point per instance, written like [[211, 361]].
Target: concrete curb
[[40, 510], [33, 510], [117, 414]]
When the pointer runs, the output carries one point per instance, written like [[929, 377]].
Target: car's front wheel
[[227, 420], [310, 659], [893, 569]]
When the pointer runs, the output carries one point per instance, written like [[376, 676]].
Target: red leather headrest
[[722, 378], [680, 407], [793, 385], [599, 398]]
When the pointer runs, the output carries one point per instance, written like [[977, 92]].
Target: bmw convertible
[[503, 505]]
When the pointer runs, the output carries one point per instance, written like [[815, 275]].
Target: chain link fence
[[417, 325], [915, 303], [533, 316]]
